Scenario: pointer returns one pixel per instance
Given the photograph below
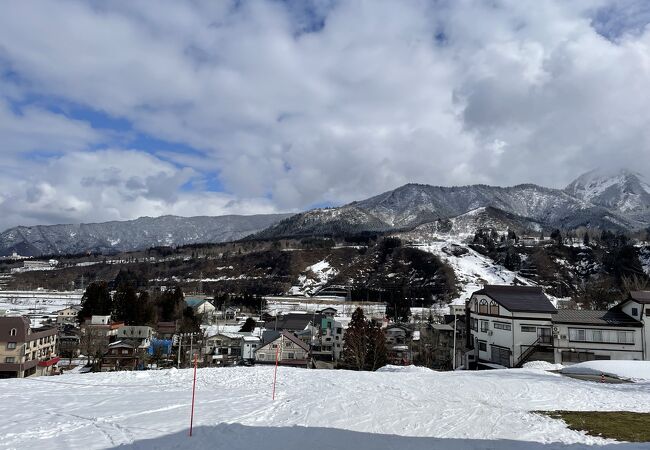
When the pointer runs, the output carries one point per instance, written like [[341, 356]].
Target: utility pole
[[180, 344], [453, 361]]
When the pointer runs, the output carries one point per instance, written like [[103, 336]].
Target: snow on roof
[[227, 334]]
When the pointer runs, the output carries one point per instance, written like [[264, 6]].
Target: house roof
[[289, 336], [227, 334], [195, 302], [642, 297], [125, 343], [613, 317], [292, 321], [441, 326], [519, 298]]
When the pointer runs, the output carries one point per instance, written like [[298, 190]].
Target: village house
[[124, 354], [327, 342], [398, 338], [294, 321], [510, 325], [26, 351], [287, 348], [223, 348], [67, 315], [166, 330], [249, 347], [135, 332], [587, 335], [201, 305], [96, 333]]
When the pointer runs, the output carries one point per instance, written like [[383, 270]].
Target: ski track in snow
[[147, 410]]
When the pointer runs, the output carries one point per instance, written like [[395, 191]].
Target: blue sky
[[115, 110]]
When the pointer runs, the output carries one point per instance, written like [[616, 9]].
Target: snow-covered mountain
[[622, 191], [416, 204], [130, 235], [465, 225]]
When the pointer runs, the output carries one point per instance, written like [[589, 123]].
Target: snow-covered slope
[[400, 408], [465, 225], [313, 278], [622, 191], [472, 269]]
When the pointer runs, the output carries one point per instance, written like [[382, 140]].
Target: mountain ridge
[[405, 206], [618, 201], [135, 234]]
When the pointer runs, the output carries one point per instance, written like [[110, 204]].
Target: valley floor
[[396, 408]]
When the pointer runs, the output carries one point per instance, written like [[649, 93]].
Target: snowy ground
[[398, 408], [39, 307]]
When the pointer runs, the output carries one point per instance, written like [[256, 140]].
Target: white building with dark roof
[[587, 335], [510, 325]]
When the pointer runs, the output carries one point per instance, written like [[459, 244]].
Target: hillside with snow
[[623, 190], [405, 408]]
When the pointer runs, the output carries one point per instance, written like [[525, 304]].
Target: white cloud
[[385, 93]]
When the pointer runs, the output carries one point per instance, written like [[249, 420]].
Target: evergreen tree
[[96, 301], [355, 342], [585, 239], [170, 305], [556, 235], [248, 326], [364, 344], [377, 352]]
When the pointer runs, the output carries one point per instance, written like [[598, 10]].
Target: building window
[[485, 325], [10, 359], [576, 357], [528, 329], [261, 355], [13, 332], [483, 307], [502, 326], [291, 356], [494, 308], [601, 336], [647, 312], [482, 346], [11, 345], [635, 312]]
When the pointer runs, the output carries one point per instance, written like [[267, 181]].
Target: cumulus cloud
[[291, 104]]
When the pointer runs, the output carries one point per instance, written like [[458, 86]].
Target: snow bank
[[542, 365], [405, 369], [628, 370]]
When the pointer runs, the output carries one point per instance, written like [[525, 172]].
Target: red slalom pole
[[193, 391], [275, 374]]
